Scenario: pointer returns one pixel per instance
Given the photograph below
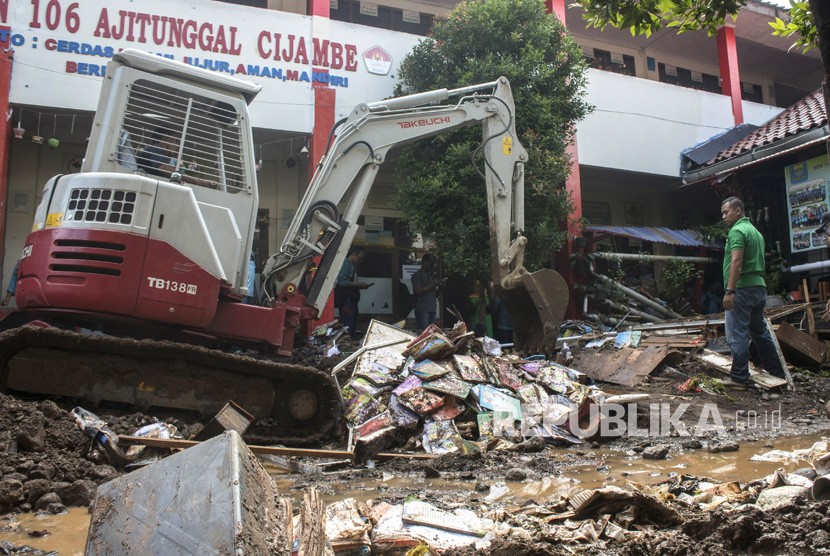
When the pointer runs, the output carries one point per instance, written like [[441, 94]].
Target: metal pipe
[[625, 309], [410, 101], [649, 258], [473, 88], [641, 314], [807, 267], [639, 297]]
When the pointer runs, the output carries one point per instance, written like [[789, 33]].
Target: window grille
[[199, 136]]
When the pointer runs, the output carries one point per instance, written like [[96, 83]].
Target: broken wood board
[[273, 450], [680, 341], [801, 345], [790, 383], [723, 363], [281, 464], [626, 366], [313, 529]]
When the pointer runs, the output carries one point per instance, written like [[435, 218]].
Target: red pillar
[[320, 8], [556, 7], [6, 59], [574, 187], [729, 74], [324, 102]]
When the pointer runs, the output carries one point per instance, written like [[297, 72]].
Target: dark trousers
[[349, 315], [424, 319], [745, 321]]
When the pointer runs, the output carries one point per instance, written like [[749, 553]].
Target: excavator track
[[294, 404]]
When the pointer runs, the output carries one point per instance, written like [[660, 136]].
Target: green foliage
[[713, 232], [772, 273], [442, 194], [800, 24], [675, 276], [647, 16]]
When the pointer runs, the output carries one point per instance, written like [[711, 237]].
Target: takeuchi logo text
[[424, 122]]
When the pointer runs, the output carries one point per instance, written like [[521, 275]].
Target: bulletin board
[[807, 201]]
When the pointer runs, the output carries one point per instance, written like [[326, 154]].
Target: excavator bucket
[[536, 306]]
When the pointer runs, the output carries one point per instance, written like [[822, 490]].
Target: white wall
[[640, 125], [82, 40]]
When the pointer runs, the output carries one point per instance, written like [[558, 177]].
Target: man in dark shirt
[[347, 289], [160, 159], [424, 287]]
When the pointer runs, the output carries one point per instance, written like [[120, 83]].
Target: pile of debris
[[450, 392], [606, 518]]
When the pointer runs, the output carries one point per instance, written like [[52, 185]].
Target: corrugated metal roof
[[684, 238]]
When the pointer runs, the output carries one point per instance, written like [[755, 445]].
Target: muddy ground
[[46, 464]]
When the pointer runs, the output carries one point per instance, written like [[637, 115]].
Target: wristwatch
[[728, 291]]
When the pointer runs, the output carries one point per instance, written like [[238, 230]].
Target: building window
[[688, 78], [610, 61], [752, 92], [387, 18]]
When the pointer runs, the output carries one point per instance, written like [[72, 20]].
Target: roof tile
[[806, 114]]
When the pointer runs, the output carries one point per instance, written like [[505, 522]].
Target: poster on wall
[[807, 201]]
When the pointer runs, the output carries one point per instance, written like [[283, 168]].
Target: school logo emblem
[[377, 60]]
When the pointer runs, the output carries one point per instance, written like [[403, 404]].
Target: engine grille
[[101, 205], [87, 257]]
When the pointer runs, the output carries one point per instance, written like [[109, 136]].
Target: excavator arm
[[326, 220]]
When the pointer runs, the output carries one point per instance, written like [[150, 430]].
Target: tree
[[478, 42], [809, 21]]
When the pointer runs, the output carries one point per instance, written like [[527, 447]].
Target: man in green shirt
[[745, 294]]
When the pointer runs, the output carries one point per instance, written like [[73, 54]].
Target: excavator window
[[208, 146]]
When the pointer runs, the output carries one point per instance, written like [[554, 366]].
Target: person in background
[[503, 329], [160, 160], [425, 287], [712, 301], [251, 298], [745, 294], [12, 286], [347, 289], [479, 303]]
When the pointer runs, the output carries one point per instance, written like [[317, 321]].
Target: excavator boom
[[536, 302]]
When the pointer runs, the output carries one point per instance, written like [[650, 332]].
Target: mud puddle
[[66, 532]]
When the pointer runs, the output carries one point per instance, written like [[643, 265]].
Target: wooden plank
[[811, 320], [683, 341], [790, 383], [626, 366], [270, 450], [390, 455], [723, 363], [804, 344], [312, 516], [273, 450]]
